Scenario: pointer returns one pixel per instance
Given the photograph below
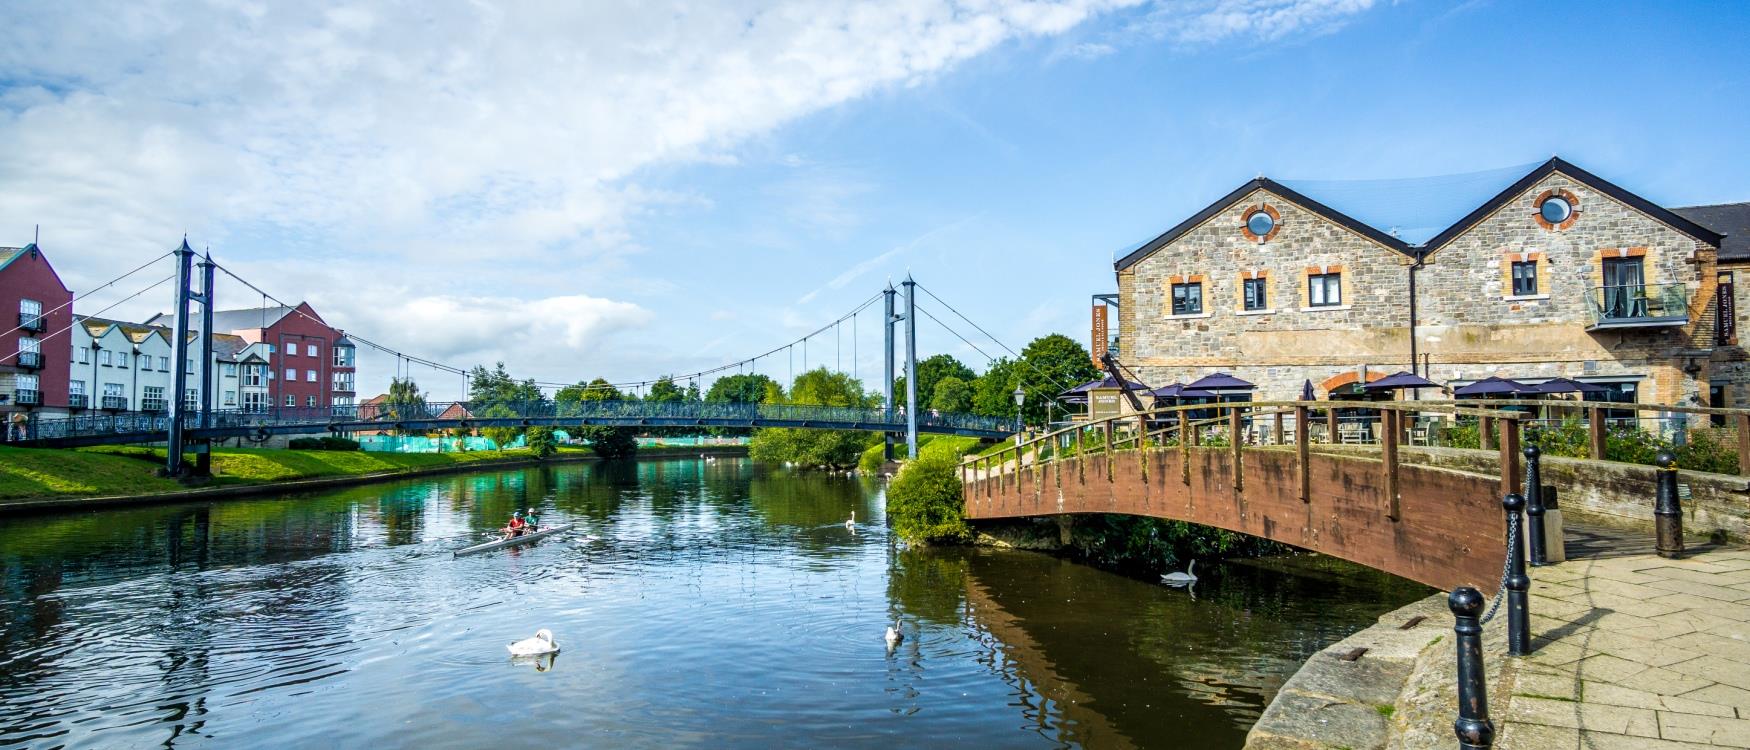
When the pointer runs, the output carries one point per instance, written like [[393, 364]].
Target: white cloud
[[1208, 21]]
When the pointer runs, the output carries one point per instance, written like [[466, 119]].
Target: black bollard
[[1667, 509], [1516, 585], [1534, 505], [1473, 726]]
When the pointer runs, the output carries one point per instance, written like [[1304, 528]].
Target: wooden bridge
[[1252, 468]]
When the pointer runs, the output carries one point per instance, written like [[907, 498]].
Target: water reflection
[[706, 603]]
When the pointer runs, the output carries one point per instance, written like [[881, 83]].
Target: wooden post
[[1331, 425], [1388, 455], [1595, 428], [1742, 421], [1185, 446], [1509, 455], [1081, 456], [1108, 450], [1486, 433], [1302, 451], [1277, 437], [1238, 443]]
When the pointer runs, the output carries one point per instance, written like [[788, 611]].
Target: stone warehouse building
[[1560, 274]]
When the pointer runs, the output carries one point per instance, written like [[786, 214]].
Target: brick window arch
[[1267, 210], [1572, 200]]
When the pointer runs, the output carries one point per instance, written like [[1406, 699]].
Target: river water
[[711, 604]]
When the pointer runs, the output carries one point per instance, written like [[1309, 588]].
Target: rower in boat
[[534, 520], [517, 526]]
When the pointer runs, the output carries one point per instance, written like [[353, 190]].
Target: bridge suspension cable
[[987, 334], [93, 290], [112, 305]]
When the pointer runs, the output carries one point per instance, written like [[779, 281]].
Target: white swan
[[851, 523], [894, 636], [542, 643], [1181, 579]]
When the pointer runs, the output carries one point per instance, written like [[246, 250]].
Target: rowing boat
[[515, 540]]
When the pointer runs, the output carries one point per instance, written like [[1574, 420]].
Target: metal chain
[[1506, 567]]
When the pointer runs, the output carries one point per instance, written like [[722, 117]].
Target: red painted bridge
[[1252, 469]]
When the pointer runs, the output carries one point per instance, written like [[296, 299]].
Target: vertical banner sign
[[1726, 326], [1098, 345]]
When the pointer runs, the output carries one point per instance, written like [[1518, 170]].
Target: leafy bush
[[1151, 544], [924, 502], [611, 442], [1703, 450], [541, 442]]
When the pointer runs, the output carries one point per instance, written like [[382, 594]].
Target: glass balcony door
[[1625, 288]]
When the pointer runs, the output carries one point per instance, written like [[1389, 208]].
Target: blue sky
[[701, 197]]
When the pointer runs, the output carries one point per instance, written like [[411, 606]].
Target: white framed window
[[83, 354], [252, 375], [164, 364], [191, 398], [228, 369], [121, 360], [24, 382], [112, 389], [254, 401], [310, 402], [30, 307], [189, 366], [103, 357], [75, 387], [313, 350], [291, 400], [309, 376], [230, 398], [144, 361], [291, 374], [27, 344]]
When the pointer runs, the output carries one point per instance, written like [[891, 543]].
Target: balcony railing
[[32, 322], [78, 400], [30, 360], [28, 397], [115, 402], [1639, 306]]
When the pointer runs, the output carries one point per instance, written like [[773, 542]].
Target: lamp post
[[1020, 398]]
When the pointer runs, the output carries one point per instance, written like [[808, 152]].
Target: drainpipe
[[1421, 260]]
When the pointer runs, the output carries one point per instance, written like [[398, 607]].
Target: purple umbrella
[[1564, 385], [1219, 381], [1399, 380], [1306, 392], [1180, 391], [1493, 386]]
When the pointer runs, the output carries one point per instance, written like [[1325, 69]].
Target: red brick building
[[35, 353], [310, 364]]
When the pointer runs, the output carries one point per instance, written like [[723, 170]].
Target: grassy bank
[[131, 470]]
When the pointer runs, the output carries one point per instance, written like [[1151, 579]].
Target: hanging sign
[[1098, 344]]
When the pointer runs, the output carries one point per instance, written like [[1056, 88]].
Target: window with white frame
[[291, 374], [75, 387], [291, 400], [83, 354], [28, 345], [254, 401], [164, 364], [252, 375], [343, 356], [191, 398], [309, 376], [310, 401], [144, 362], [24, 382], [228, 369], [230, 398], [30, 307], [121, 360], [103, 357], [1324, 289], [112, 389], [313, 350], [152, 398]]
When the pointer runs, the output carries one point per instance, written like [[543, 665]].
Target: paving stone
[[1602, 741], [1607, 668], [1724, 695], [1641, 607], [1710, 729], [1294, 716], [1639, 722], [1686, 574], [1714, 670], [1727, 610], [1715, 645], [1665, 681], [1617, 695], [1537, 736], [1706, 590]]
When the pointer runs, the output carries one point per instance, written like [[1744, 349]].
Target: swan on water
[[1181, 579], [851, 523], [894, 636], [542, 643]]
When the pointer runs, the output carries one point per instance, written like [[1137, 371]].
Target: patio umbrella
[[1079, 394], [1400, 380], [1493, 386], [1219, 381], [1306, 392], [1564, 385], [1176, 390]]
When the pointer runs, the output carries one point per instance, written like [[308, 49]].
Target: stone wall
[[1470, 324]]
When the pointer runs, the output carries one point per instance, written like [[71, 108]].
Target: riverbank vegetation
[[924, 502], [132, 470], [1702, 449], [834, 449]]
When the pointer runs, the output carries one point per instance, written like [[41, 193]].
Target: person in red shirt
[[516, 527]]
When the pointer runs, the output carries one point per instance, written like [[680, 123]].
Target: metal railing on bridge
[[150, 426]]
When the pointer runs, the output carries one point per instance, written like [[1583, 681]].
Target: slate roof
[[1262, 183], [135, 332], [8, 253], [232, 320], [1730, 219]]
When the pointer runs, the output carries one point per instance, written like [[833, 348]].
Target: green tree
[[1051, 364], [540, 440], [951, 394], [611, 442], [664, 390], [607, 442], [505, 435], [487, 388], [833, 448], [739, 389], [405, 402], [993, 394], [931, 370]]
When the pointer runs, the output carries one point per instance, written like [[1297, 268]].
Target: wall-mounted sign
[[1098, 344]]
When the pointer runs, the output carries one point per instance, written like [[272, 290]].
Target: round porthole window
[[1260, 223], [1555, 209]]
